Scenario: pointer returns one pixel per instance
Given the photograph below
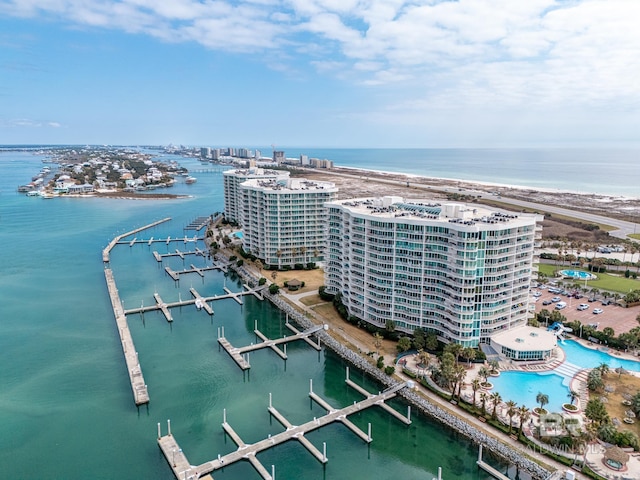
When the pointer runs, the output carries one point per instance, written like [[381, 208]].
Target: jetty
[[183, 469], [175, 274], [198, 300], [152, 240], [138, 385], [240, 355], [198, 223], [488, 468], [118, 239]]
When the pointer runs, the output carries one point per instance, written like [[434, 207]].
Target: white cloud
[[27, 123], [470, 52]]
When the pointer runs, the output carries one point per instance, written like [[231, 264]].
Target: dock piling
[[409, 412], [169, 427], [159, 431], [324, 452], [369, 432], [310, 385]]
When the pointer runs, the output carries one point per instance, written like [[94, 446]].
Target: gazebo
[[294, 284], [615, 458]]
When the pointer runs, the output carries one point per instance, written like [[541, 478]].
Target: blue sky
[[321, 73]]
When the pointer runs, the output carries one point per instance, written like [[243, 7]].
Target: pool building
[[461, 271]]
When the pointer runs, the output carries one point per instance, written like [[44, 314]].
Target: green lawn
[[612, 283]]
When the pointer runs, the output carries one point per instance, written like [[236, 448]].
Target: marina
[[183, 469]]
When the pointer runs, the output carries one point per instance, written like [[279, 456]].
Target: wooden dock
[[248, 452], [166, 306], [201, 302], [163, 307], [241, 354], [152, 240], [175, 275], [118, 239], [139, 387]]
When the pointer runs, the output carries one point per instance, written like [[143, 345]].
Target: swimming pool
[[578, 274], [238, 234], [590, 358], [523, 387]]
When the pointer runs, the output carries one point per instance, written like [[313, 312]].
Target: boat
[[190, 180]]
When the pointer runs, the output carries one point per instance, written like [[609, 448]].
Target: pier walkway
[[151, 240], [116, 240], [140, 392], [179, 463], [240, 355], [199, 301], [175, 275]]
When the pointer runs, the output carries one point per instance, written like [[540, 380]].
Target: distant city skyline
[[321, 73]]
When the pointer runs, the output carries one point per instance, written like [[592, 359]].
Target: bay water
[[66, 406]]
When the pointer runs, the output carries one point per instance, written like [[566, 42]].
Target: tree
[[596, 411], [454, 349], [608, 332], [273, 288], [484, 373], [431, 341], [573, 395], [468, 354], [594, 380], [475, 386], [525, 414], [512, 409], [377, 341], [459, 375], [495, 399], [258, 265], [542, 399], [484, 396], [404, 344], [274, 275], [604, 368]]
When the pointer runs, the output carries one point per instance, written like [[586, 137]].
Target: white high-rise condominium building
[[232, 180], [461, 271], [284, 221]]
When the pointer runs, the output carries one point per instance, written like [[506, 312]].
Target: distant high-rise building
[[232, 180], [205, 152], [304, 159], [278, 156], [284, 221]]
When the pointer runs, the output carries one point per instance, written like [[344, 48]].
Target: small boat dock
[[240, 355], [183, 469]]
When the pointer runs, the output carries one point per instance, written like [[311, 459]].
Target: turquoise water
[[579, 274], [574, 169], [523, 387], [66, 406], [590, 358]]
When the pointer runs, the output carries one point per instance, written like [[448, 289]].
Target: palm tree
[[484, 396], [458, 377], [573, 395], [468, 354], [377, 342], [484, 373], [542, 399], [475, 386], [496, 399], [524, 413], [604, 368], [512, 409]]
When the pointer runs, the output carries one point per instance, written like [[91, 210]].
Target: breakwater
[[432, 410]]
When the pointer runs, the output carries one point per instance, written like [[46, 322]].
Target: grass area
[[517, 208], [311, 300], [635, 236], [622, 384], [605, 281]]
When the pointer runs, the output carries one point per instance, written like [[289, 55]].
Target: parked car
[[606, 302], [537, 294], [560, 305], [597, 311], [583, 306], [591, 299], [547, 302], [556, 299]]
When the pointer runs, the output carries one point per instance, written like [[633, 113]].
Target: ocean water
[[601, 171], [66, 407]]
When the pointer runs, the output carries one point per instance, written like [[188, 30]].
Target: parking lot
[[620, 319]]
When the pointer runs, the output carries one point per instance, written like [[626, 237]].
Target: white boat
[[190, 180]]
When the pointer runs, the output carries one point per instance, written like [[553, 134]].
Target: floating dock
[[198, 299], [116, 240], [240, 355], [182, 469]]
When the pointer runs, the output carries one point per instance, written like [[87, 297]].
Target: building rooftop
[[526, 339], [392, 207], [290, 184]]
